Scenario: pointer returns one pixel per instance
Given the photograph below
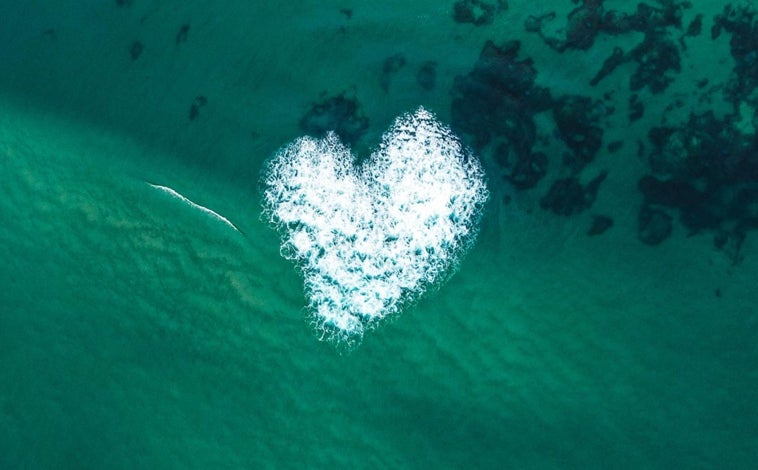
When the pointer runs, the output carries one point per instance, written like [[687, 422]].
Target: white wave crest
[[194, 205], [370, 238]]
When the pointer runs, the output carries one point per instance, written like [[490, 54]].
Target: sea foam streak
[[194, 205], [370, 238]]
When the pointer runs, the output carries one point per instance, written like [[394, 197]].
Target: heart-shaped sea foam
[[373, 237]]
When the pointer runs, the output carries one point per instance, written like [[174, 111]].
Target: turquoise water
[[139, 332]]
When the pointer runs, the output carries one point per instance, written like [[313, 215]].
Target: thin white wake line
[[195, 205]]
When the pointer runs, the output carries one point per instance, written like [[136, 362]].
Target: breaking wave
[[371, 238]]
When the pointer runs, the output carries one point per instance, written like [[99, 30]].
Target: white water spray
[[370, 238]]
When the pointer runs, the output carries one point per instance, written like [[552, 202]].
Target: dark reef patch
[[496, 102], [600, 223], [609, 65], [341, 114], [183, 34], [590, 19], [426, 77], [577, 120], [135, 50], [656, 55], [390, 67], [654, 225], [197, 103], [741, 22], [523, 170], [477, 12], [567, 196], [615, 146], [699, 157], [704, 147], [494, 107], [707, 170], [636, 107]]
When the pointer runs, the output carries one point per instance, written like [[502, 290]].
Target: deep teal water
[[137, 332]]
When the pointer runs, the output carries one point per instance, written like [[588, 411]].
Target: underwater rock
[[390, 67], [707, 170], [135, 50], [533, 24], [695, 27], [183, 33], [496, 103], [704, 147], [522, 169], [498, 97], [585, 22], [615, 146], [730, 243], [742, 23], [609, 65], [427, 75], [653, 225], [582, 26], [636, 107], [600, 223], [671, 193], [340, 114], [477, 12], [197, 103], [567, 196], [577, 118], [656, 56], [669, 14]]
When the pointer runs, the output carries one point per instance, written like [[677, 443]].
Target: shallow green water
[[137, 332]]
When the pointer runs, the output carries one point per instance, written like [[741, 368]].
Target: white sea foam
[[194, 205], [370, 238]]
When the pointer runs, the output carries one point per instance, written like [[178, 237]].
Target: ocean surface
[[139, 331]]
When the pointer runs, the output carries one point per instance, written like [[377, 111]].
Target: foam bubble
[[371, 238]]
